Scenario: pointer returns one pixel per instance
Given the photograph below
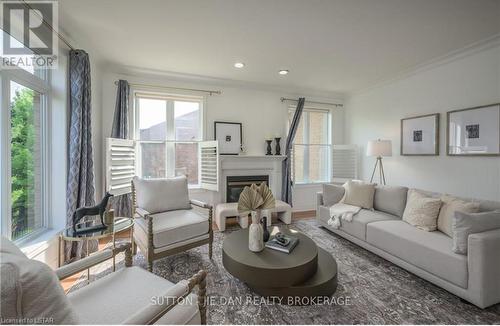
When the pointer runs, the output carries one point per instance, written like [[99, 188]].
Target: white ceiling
[[332, 45]]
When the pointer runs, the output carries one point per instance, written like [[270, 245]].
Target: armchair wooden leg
[[128, 257], [210, 249], [200, 279], [150, 266], [134, 248]]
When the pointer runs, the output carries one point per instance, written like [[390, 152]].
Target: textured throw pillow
[[421, 211], [30, 291], [468, 223], [448, 209], [162, 195], [332, 194], [359, 194]]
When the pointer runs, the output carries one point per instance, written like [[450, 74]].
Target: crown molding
[[161, 76], [452, 56]]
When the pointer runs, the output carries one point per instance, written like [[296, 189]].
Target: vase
[[263, 221], [269, 149], [255, 233]]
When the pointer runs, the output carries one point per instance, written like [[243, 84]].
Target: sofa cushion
[[172, 227], [448, 209], [118, 295], [465, 224], [421, 211], [359, 194], [332, 194], [162, 195], [357, 227], [390, 199], [430, 251], [31, 290]]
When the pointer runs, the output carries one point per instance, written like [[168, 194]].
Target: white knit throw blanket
[[341, 211]]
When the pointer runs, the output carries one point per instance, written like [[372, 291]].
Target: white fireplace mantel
[[245, 165]]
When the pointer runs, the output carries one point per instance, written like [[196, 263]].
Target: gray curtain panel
[[121, 204], [80, 189], [286, 185]]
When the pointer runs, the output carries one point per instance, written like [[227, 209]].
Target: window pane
[[299, 136], [153, 160], [26, 170], [186, 161], [319, 158], [298, 163], [318, 127], [187, 120], [152, 119]]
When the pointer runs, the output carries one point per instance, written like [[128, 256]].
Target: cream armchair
[[32, 294], [165, 221]]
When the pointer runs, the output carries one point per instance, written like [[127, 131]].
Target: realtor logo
[[29, 33]]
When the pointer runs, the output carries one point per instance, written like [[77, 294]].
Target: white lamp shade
[[379, 148]]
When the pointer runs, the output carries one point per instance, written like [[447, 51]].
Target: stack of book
[[287, 246]]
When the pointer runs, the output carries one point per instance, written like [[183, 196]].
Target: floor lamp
[[379, 148]]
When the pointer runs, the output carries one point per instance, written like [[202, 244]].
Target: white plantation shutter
[[209, 165], [120, 165], [345, 163]]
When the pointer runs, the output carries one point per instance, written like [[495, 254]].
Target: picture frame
[[420, 135], [230, 137], [473, 131]]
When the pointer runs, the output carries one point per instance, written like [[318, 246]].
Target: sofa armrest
[[174, 295], [484, 266], [319, 202], [94, 259]]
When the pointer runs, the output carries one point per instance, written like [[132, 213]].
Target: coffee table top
[[270, 267]]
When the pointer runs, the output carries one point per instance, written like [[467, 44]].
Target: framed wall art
[[420, 135], [229, 135], [474, 131]]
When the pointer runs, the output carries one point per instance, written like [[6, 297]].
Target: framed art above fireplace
[[230, 137]]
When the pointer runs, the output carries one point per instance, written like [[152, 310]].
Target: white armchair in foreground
[[32, 294]]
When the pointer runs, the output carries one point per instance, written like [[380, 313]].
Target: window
[[312, 146], [24, 195], [168, 130]]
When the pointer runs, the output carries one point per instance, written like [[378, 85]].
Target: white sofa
[[475, 277]]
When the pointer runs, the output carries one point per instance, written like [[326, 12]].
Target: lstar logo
[[29, 33]]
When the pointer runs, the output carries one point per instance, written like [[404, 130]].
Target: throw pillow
[[450, 206], [359, 194], [31, 291], [390, 199], [332, 194], [421, 211], [162, 195], [468, 223]]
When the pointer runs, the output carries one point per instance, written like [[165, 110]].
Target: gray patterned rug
[[371, 290]]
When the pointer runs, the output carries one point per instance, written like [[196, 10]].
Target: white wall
[[260, 111], [464, 82]]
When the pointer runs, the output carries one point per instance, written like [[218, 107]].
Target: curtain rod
[[49, 26], [283, 99], [210, 92]]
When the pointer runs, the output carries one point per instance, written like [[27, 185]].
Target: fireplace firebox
[[236, 184]]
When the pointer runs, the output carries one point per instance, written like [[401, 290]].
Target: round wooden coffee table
[[308, 271]]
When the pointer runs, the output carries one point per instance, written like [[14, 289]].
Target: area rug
[[371, 290]]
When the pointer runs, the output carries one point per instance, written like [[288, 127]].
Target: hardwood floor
[[67, 283]]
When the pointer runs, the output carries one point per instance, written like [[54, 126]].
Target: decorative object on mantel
[[81, 212], [230, 137], [474, 131], [420, 135], [252, 201], [379, 148], [278, 147], [269, 150]]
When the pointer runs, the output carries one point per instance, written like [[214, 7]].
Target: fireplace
[[235, 185]]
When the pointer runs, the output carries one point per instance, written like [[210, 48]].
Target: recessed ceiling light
[[283, 72], [239, 65]]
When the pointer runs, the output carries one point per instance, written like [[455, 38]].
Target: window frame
[[170, 142], [40, 83], [306, 144]]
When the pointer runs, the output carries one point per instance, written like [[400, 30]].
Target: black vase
[[269, 148], [266, 234], [278, 147]]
